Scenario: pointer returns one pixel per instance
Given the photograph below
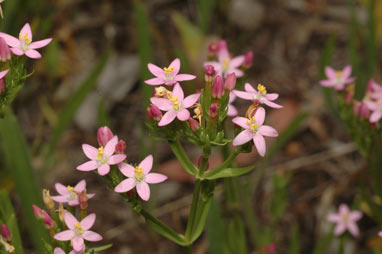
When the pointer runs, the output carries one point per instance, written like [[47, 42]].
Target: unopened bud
[[5, 52], [194, 125], [248, 59], [213, 110], [222, 45], [230, 82], [47, 199], [5, 233], [154, 112], [38, 212], [212, 48], [83, 200], [218, 87], [209, 73], [120, 147], [104, 134], [49, 222]]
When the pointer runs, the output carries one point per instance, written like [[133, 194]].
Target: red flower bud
[[5, 233], [248, 59], [212, 48], [104, 134], [230, 82], [155, 113], [209, 73], [194, 125], [120, 147], [83, 200], [218, 87], [213, 110]]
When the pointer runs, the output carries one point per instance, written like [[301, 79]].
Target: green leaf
[[182, 157], [201, 217], [237, 235], [228, 172], [8, 217], [19, 166], [215, 230], [99, 249]]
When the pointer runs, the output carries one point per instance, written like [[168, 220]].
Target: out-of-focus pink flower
[[61, 251], [217, 87], [194, 125], [269, 249], [232, 111], [2, 81], [101, 158], [254, 130], [361, 109], [5, 233], [5, 52], [258, 96], [337, 79], [139, 177], [104, 135], [345, 220], [24, 45], [376, 108], [168, 75], [70, 194], [230, 82], [78, 231], [380, 233], [248, 59], [120, 147], [176, 106], [212, 48]]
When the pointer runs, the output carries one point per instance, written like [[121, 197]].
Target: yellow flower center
[[168, 70], [101, 158], [262, 89], [70, 188], [252, 124], [78, 229], [226, 64], [338, 74], [25, 38], [175, 102], [138, 174]]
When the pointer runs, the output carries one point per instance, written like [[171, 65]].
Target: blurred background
[[92, 75]]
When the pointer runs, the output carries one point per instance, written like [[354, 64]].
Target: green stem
[[182, 157], [224, 165]]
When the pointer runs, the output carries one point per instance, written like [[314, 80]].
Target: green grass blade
[[205, 10], [144, 48], [20, 168], [215, 230], [8, 217]]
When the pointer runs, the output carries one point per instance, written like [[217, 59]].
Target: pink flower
[[139, 177], [345, 220], [361, 109], [232, 111], [104, 135], [376, 108], [61, 251], [101, 158], [258, 96], [78, 231], [70, 194], [337, 79], [230, 82], [176, 106], [24, 45], [380, 233], [217, 87], [225, 64], [2, 84], [254, 130], [168, 76], [44, 216], [5, 233]]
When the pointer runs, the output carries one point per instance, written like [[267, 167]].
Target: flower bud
[[248, 59], [230, 82], [218, 87], [49, 222], [47, 199], [194, 125], [222, 45], [120, 147], [5, 233], [104, 134], [5, 52], [83, 200], [213, 110], [212, 48], [38, 212], [209, 73], [154, 113], [61, 212], [361, 109]]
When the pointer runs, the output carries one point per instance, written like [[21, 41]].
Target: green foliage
[[294, 247], [215, 229], [279, 198], [228, 172], [99, 249], [205, 10], [236, 236], [325, 60]]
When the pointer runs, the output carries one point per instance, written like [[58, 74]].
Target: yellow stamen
[[262, 89], [138, 173], [25, 38], [70, 188], [175, 102], [168, 70], [252, 123], [100, 153], [78, 228], [338, 74], [226, 64]]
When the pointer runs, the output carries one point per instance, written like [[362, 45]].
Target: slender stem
[[189, 249], [224, 165], [181, 155], [341, 246]]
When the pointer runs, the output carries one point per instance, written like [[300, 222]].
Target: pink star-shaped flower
[[139, 177], [258, 96], [168, 75], [70, 194], [345, 220], [24, 45], [337, 79], [254, 130], [78, 231], [61, 251], [376, 108], [101, 158], [176, 106]]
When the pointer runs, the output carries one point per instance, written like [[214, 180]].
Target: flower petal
[[155, 70], [80, 186], [26, 30], [40, 44], [58, 251], [61, 189], [176, 65], [236, 62], [70, 220], [167, 118], [346, 72], [59, 199], [268, 131], [340, 228], [34, 54], [259, 142], [242, 138], [117, 158], [90, 151], [190, 100], [147, 164], [103, 169], [64, 235], [238, 73], [155, 178], [110, 146], [241, 121], [87, 166], [249, 88], [125, 185], [155, 81], [371, 105], [162, 103], [232, 111], [17, 51], [183, 115], [10, 40], [183, 77], [355, 215], [260, 116], [333, 217], [344, 209], [88, 221], [92, 236], [353, 229], [3, 73], [243, 95], [327, 83], [272, 104], [330, 72], [272, 96], [143, 190], [375, 116], [126, 169], [78, 243], [178, 92]]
